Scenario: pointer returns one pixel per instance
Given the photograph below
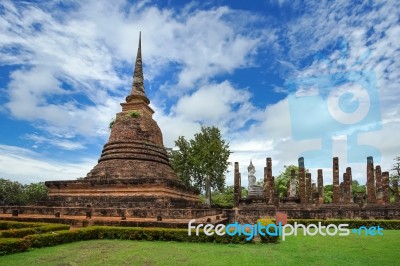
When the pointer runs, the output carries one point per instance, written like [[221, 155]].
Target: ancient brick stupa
[[133, 170]]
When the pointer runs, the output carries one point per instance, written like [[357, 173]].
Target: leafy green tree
[[283, 179], [396, 167], [14, 193], [394, 177], [11, 192], [35, 192], [203, 161], [245, 193], [328, 193], [356, 187], [181, 160], [224, 199]]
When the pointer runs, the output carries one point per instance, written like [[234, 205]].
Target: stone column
[[385, 188], [360, 199], [270, 182], [320, 187], [240, 185], [336, 185], [272, 194], [266, 185], [371, 194], [348, 191], [292, 184], [341, 198], [308, 188], [314, 194], [236, 186], [302, 185], [396, 191], [378, 176], [379, 188]]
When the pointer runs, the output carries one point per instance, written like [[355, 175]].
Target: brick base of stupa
[[131, 198], [121, 193]]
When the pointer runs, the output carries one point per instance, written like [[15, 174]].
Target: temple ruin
[[133, 177], [308, 201], [133, 169]]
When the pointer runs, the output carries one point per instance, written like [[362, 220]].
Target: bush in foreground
[[52, 236], [21, 232], [5, 225]]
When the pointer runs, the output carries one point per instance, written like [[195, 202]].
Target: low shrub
[[134, 114], [163, 234], [18, 233], [13, 245], [127, 233], [5, 225], [56, 234], [55, 238], [268, 238]]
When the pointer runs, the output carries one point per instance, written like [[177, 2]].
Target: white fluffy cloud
[[367, 38], [218, 104], [78, 53], [61, 143], [70, 74], [26, 166], [214, 104], [69, 63]]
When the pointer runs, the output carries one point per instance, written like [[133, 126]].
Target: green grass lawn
[[300, 250]]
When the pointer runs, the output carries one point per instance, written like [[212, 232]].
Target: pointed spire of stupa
[[138, 80]]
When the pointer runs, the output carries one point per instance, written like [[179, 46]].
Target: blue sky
[[281, 79]]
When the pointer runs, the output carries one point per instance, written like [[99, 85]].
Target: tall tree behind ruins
[[202, 162]]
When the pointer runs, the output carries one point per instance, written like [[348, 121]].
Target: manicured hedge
[[54, 238], [385, 224], [128, 233], [5, 225], [267, 238], [13, 245], [18, 233]]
